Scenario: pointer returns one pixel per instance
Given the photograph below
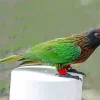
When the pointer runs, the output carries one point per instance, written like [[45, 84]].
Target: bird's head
[[94, 36]]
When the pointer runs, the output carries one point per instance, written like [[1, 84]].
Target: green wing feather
[[62, 50]]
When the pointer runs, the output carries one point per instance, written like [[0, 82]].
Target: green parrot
[[61, 52]]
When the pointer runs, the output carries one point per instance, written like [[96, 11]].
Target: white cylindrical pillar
[[40, 83]]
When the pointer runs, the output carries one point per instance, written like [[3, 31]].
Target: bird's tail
[[11, 58]]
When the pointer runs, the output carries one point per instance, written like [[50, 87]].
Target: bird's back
[[61, 50]]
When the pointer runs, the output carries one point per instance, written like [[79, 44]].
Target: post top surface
[[39, 73]]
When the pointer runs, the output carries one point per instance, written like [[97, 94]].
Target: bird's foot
[[75, 71], [69, 76]]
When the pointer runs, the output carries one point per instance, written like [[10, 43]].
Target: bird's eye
[[97, 35]]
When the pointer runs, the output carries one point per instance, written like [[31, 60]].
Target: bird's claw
[[75, 71], [69, 76]]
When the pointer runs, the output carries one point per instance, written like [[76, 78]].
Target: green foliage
[[3, 85]]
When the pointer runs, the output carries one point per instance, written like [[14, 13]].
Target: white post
[[40, 83]]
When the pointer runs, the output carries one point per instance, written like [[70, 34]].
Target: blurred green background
[[24, 23]]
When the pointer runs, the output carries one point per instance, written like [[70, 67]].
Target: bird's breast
[[86, 52], [86, 48]]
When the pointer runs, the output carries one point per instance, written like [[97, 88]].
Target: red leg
[[63, 71]]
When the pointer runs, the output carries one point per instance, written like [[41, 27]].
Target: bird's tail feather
[[11, 58], [31, 63]]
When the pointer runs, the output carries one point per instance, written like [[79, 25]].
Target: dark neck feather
[[85, 41]]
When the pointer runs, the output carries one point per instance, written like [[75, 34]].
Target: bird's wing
[[55, 51]]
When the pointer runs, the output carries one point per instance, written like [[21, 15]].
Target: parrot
[[61, 53]]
